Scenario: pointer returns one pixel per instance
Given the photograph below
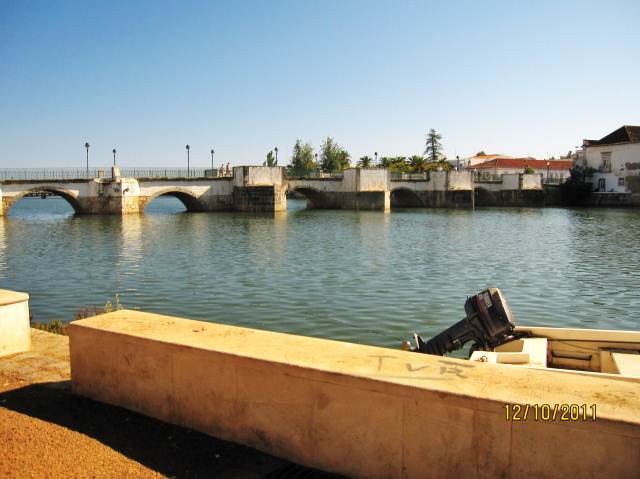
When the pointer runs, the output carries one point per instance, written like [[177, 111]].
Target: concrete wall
[[460, 180], [373, 179], [511, 181], [438, 181], [528, 198], [244, 176], [357, 410], [530, 182], [15, 332]]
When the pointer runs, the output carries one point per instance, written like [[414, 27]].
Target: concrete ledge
[[15, 333], [359, 410]]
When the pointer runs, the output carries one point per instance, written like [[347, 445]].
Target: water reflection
[[355, 275]]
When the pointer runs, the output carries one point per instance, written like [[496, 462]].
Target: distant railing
[[168, 172], [395, 175], [52, 173], [313, 175], [487, 178], [38, 174], [554, 180]]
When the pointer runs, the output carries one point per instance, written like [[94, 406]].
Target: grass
[[56, 326]]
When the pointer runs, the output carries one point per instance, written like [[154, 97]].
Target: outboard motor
[[488, 324]]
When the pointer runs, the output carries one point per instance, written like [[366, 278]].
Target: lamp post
[[375, 162], [548, 171], [276, 150], [87, 145], [317, 164], [188, 148], [212, 152], [114, 156]]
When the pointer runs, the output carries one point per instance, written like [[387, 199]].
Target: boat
[[490, 326]]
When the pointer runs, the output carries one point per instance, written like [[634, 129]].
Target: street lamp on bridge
[[212, 152], [276, 149], [114, 156], [548, 171], [188, 148], [87, 145]]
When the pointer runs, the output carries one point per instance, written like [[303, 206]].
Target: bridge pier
[[358, 189], [259, 189]]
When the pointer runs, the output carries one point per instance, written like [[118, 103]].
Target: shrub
[[56, 326]]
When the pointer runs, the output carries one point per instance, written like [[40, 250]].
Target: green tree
[[433, 149], [364, 162], [528, 170], [333, 158], [480, 153], [399, 164], [418, 163], [386, 162], [271, 160], [301, 160]]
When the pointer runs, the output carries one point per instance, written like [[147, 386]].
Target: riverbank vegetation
[[56, 326]]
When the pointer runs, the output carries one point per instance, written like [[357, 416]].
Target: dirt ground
[[47, 432]]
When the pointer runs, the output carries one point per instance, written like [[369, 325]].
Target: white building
[[552, 171], [615, 159]]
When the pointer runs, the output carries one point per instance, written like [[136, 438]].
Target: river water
[[361, 276]]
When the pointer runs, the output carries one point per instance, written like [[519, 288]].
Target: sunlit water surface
[[367, 277]]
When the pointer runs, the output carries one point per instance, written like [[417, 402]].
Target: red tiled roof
[[522, 163]]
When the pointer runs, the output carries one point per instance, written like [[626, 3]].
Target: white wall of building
[[625, 161]]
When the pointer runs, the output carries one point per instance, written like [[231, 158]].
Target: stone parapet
[[15, 335], [357, 410]]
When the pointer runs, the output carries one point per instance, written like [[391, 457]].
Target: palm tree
[[386, 161], [364, 162], [418, 163], [400, 164]]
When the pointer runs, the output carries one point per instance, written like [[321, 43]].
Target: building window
[[605, 166], [620, 181]]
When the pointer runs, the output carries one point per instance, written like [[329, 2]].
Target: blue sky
[[516, 77]]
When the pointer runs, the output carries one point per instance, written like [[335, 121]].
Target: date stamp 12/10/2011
[[550, 412]]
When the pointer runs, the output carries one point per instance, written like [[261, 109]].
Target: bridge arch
[[186, 197], [316, 199], [69, 196], [403, 197]]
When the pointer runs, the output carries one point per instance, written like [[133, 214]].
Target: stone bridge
[[262, 189]]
